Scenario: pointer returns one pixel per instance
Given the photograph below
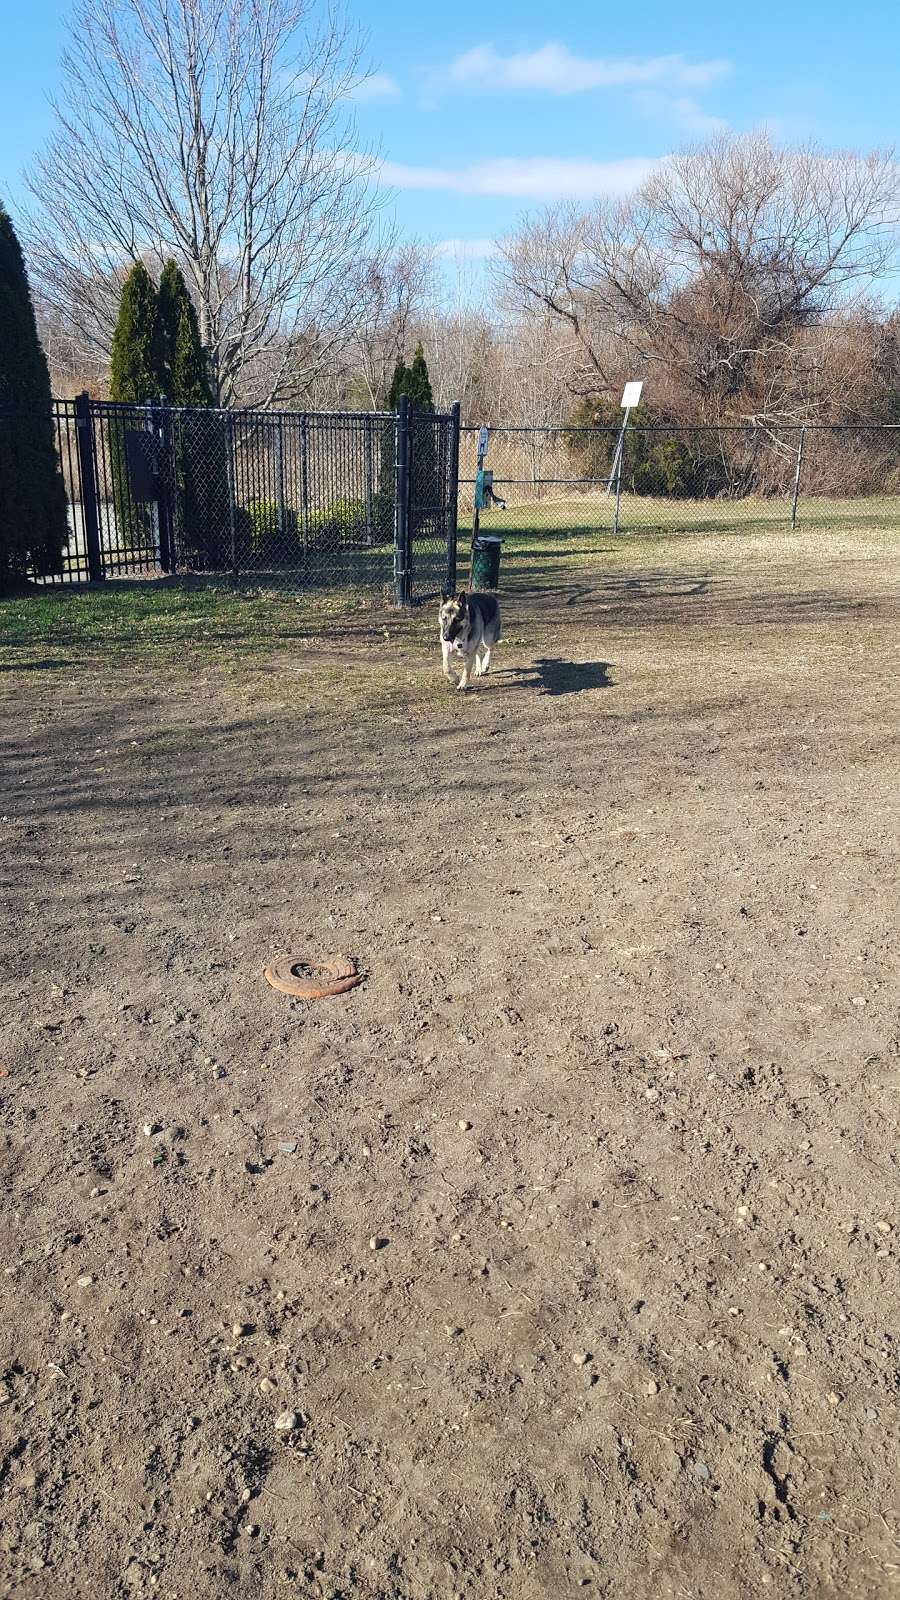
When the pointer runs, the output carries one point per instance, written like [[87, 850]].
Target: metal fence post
[[227, 423], [618, 498], [84, 429], [797, 478], [165, 487], [401, 507], [279, 478], [304, 484], [370, 484], [452, 500]]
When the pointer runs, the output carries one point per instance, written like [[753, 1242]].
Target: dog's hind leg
[[485, 663]]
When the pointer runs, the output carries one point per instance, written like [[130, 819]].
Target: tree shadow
[[44, 664]]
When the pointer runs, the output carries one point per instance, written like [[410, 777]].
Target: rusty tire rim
[[312, 977]]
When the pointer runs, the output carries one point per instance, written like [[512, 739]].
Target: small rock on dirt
[[463, 1125], [287, 1421], [652, 1386], [580, 1358], [85, 1281]]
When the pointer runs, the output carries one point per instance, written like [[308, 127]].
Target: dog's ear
[[461, 599]]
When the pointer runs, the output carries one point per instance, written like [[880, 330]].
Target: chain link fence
[[307, 499], [372, 499], [677, 480]]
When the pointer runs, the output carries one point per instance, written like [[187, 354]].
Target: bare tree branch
[[711, 272], [216, 131]]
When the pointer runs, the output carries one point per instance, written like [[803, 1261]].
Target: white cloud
[[556, 70], [528, 177], [683, 110], [466, 249], [377, 86]]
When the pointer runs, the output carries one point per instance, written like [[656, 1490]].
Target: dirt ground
[[618, 1101]]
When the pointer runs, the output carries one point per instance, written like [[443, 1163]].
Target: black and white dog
[[469, 623]]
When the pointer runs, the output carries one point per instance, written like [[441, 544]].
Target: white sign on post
[[482, 441], [631, 396]]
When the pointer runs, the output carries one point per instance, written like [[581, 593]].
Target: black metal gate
[[318, 499], [427, 495]]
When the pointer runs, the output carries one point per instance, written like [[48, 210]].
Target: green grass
[[180, 624], [170, 622], [577, 518], [577, 532]]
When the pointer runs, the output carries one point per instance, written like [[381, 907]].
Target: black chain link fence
[[307, 499], [371, 499]]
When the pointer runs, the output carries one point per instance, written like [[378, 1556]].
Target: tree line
[[204, 175], [741, 281]]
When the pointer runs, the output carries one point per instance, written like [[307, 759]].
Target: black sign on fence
[[140, 455]]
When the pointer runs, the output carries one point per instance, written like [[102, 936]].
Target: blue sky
[[484, 113]]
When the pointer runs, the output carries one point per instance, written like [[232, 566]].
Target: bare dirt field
[[617, 1101]]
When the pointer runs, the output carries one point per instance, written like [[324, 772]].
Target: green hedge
[[265, 542], [343, 522]]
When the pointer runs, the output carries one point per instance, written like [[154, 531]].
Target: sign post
[[631, 397], [479, 494]]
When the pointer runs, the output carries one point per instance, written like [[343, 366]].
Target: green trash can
[[486, 562]]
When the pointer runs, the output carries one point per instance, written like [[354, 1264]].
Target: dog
[[469, 623]]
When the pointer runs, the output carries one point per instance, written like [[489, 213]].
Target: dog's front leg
[[468, 670], [446, 652]]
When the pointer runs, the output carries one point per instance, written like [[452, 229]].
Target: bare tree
[[214, 131], [459, 333], [392, 290], [72, 367], [703, 280]]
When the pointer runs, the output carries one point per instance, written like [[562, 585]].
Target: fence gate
[[427, 493], [318, 499]]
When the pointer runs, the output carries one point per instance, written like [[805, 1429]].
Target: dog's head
[[454, 617]]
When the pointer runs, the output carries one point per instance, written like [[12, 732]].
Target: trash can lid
[[485, 539]]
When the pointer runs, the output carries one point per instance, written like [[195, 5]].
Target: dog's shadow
[[552, 675]]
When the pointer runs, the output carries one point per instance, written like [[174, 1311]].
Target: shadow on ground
[[553, 675]]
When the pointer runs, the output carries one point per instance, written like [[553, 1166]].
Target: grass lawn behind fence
[[532, 527]]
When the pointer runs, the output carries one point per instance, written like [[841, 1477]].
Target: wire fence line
[[669, 478], [380, 499]]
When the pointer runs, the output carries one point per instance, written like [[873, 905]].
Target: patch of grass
[[172, 623], [182, 625], [580, 528]]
